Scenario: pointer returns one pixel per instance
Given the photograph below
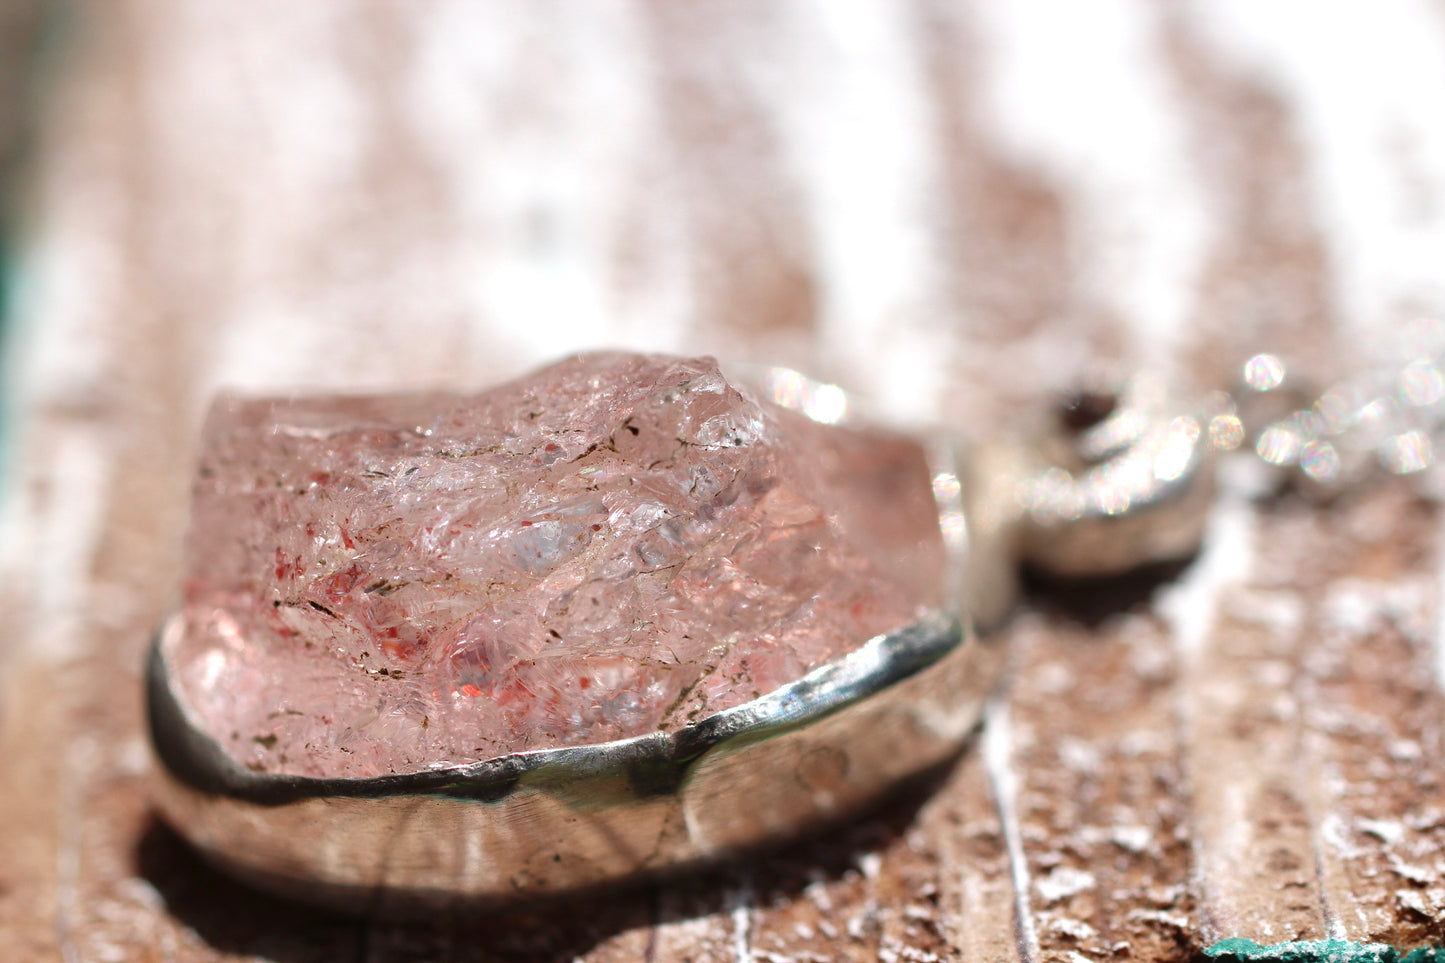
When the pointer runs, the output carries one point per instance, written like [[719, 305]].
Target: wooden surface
[[951, 206]]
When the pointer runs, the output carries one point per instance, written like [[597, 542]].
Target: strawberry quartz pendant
[[616, 617]]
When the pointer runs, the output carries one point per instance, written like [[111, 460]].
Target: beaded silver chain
[[1126, 475], [1381, 418]]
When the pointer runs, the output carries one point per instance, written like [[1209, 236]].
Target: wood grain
[[953, 206]]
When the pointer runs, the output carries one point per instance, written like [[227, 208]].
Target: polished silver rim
[[653, 764]]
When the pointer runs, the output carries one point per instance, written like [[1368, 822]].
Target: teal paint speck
[[1319, 951]]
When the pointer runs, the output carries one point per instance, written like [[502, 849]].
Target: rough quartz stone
[[614, 545]]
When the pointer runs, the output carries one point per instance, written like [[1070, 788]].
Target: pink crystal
[[614, 545]]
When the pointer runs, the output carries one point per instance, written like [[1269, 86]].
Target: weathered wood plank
[[974, 908], [955, 206], [1254, 840], [1103, 796], [1374, 716]]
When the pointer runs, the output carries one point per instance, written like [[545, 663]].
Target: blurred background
[[954, 206], [905, 197]]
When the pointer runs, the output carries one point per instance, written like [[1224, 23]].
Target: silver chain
[[1380, 419], [1132, 482]]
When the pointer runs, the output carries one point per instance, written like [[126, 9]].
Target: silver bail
[[1125, 479]]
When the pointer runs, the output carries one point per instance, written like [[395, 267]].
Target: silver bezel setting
[[559, 820], [555, 821]]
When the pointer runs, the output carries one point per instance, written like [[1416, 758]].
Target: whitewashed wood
[[952, 205]]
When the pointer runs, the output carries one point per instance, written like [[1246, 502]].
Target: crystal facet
[[615, 545]]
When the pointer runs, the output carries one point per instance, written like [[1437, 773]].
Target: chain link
[[1381, 419]]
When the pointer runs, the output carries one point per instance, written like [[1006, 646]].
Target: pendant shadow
[[234, 918], [1093, 601]]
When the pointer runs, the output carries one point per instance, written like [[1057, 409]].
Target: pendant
[[616, 618]]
